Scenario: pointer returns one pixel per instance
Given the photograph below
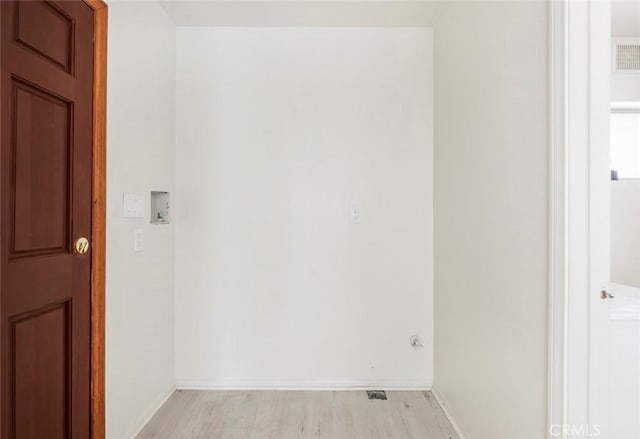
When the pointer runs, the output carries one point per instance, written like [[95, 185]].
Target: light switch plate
[[138, 240], [133, 206]]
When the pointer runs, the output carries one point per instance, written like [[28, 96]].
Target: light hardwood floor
[[298, 414]]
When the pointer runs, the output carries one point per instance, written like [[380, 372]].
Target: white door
[[614, 217], [585, 405], [624, 317], [597, 322], [601, 296]]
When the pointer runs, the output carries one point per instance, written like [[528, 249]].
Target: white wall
[[301, 13], [625, 87], [625, 234], [625, 22], [491, 235], [140, 158], [625, 18], [279, 132]]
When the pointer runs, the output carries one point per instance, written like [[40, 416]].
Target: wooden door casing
[[99, 209]]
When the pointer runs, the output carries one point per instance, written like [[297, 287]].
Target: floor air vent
[[377, 394]]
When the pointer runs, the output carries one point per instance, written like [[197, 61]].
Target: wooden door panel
[[42, 338], [46, 127], [47, 30], [41, 182], [32, 282]]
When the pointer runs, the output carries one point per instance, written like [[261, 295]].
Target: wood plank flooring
[[262, 414]]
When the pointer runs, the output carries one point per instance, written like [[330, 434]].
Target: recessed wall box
[[159, 207]]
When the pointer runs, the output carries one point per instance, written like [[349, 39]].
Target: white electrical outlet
[[138, 240], [355, 215]]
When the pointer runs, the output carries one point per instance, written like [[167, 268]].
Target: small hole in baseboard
[[377, 394]]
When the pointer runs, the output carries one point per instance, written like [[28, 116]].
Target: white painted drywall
[[279, 132], [625, 233], [140, 158], [300, 13], [625, 18], [625, 22], [491, 215], [625, 87]]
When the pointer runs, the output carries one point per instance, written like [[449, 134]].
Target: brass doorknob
[[81, 245], [605, 294]]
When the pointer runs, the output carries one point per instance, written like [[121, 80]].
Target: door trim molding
[[575, 93], [558, 207], [98, 218]]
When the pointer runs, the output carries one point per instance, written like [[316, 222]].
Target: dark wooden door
[[45, 173]]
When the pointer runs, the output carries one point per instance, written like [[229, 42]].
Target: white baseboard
[[154, 408], [303, 385], [447, 413]]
